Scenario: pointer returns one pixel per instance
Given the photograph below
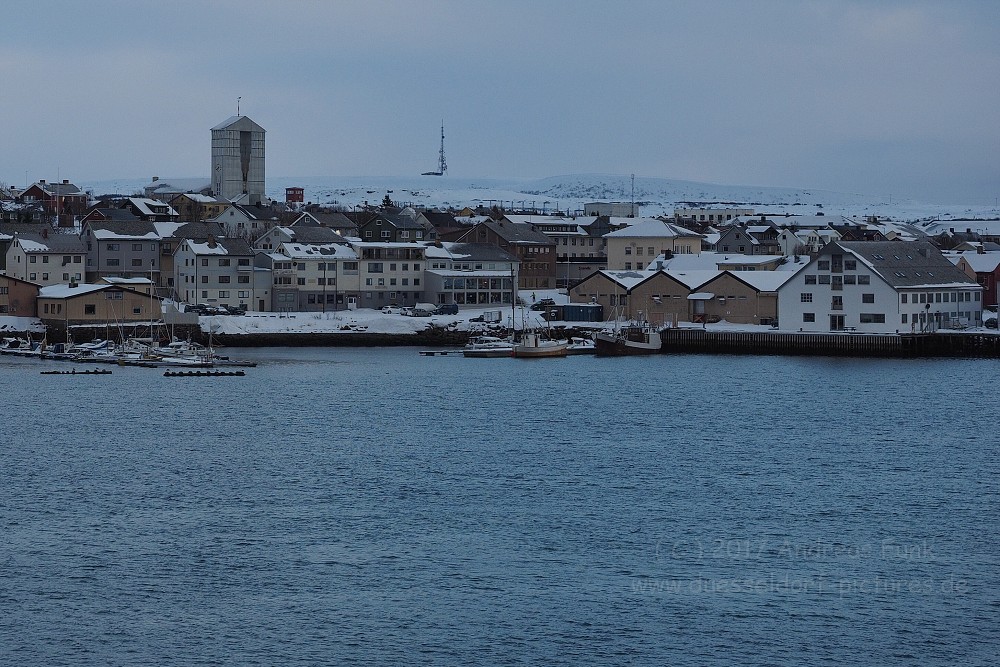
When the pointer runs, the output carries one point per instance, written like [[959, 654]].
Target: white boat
[[533, 346], [579, 345], [488, 346]]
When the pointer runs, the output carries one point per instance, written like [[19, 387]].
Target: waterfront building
[[879, 287], [469, 274], [301, 234], [17, 296], [46, 258], [312, 276], [535, 251], [98, 303], [219, 272], [390, 273], [123, 248]]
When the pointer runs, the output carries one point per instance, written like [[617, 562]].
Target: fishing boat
[[535, 346], [482, 347], [632, 339]]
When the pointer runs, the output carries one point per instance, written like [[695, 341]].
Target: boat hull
[[531, 352], [611, 345], [489, 353]]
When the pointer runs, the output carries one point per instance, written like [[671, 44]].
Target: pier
[[984, 345]]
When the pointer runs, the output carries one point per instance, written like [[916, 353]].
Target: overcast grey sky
[[871, 97]]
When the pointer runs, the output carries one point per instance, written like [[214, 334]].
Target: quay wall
[[986, 345]]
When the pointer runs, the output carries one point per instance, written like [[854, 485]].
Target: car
[[391, 310], [477, 319], [447, 309], [543, 304], [991, 323]]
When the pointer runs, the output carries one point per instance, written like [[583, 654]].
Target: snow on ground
[[655, 196], [10, 323]]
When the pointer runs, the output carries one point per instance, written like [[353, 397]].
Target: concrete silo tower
[[238, 160]]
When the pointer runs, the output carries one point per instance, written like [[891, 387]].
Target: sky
[[888, 98]]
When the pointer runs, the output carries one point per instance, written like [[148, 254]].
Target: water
[[378, 507]]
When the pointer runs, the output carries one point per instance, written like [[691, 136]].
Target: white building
[[879, 287], [220, 272]]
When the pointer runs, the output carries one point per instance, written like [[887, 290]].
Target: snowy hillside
[[655, 196]]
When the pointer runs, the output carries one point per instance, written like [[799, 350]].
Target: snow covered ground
[[569, 193]]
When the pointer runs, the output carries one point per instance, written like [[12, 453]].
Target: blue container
[[583, 312]]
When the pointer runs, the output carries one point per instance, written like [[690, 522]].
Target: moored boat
[[534, 346], [632, 339], [487, 347], [579, 345]]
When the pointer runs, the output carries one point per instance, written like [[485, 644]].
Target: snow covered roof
[[223, 246], [627, 279], [980, 262], [316, 251], [651, 227], [764, 281], [66, 291], [693, 279]]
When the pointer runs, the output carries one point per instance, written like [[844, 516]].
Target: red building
[[62, 199], [294, 195]]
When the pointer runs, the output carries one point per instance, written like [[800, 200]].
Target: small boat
[[203, 374], [94, 371], [579, 345], [534, 346], [632, 339], [488, 346]]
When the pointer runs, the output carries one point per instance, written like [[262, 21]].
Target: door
[[836, 323]]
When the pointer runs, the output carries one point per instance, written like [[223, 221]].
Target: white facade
[[219, 273], [843, 290]]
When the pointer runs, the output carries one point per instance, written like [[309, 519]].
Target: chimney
[[45, 233], [41, 181], [981, 249], [65, 181], [156, 178]]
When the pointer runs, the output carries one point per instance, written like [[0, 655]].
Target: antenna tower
[[442, 165]]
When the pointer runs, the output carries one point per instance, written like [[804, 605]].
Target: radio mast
[[442, 165]]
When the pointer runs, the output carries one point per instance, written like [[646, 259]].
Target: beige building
[[635, 246], [96, 304]]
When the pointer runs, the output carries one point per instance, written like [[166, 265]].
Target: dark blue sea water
[[377, 507]]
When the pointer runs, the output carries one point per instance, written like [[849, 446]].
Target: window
[[810, 279], [204, 261], [850, 265], [113, 247], [300, 281], [808, 317], [902, 299], [824, 280], [872, 318], [137, 247], [805, 297], [45, 276], [136, 262], [374, 267], [113, 261], [904, 318], [849, 280], [864, 280], [837, 303], [204, 279], [243, 279], [628, 250], [223, 294], [32, 260], [224, 261], [867, 298], [224, 279], [90, 309], [824, 265], [137, 310]]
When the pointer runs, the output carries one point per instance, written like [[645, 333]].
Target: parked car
[[391, 310], [543, 304], [991, 323], [420, 312], [447, 309]]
